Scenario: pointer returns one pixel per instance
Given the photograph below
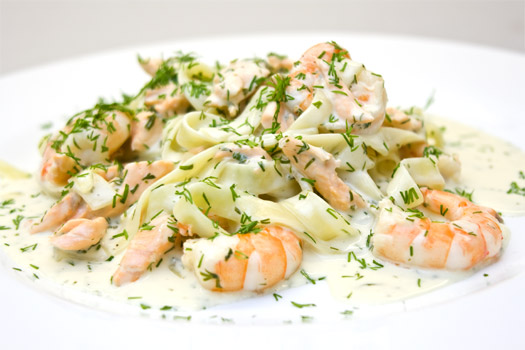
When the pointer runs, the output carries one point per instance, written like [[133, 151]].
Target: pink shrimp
[[137, 177], [79, 234], [167, 100], [361, 105], [251, 262], [59, 213], [320, 166], [90, 138], [234, 84], [56, 168], [307, 74], [146, 131], [471, 236], [398, 119], [145, 249]]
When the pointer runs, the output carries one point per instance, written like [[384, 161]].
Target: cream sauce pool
[[489, 166]]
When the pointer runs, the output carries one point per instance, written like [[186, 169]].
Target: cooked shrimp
[[79, 234], [305, 75], [59, 213], [90, 138], [70, 206], [234, 84], [398, 119], [251, 262], [370, 95], [362, 104], [146, 131], [472, 234], [145, 249], [56, 168], [320, 166], [94, 137], [136, 178], [167, 100]]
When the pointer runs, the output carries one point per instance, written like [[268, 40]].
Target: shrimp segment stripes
[[472, 234], [250, 262], [307, 73]]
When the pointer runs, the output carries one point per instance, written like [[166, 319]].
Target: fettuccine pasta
[[235, 173]]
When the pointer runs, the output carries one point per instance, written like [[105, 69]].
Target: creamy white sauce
[[489, 165]]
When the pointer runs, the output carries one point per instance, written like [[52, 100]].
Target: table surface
[[34, 32]]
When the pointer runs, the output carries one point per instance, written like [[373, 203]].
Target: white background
[[33, 32]]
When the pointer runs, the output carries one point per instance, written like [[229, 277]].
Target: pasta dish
[[239, 177]]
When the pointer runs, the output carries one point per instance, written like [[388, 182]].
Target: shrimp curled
[[360, 103], [472, 234], [251, 262]]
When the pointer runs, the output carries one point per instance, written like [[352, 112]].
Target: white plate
[[479, 86]]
